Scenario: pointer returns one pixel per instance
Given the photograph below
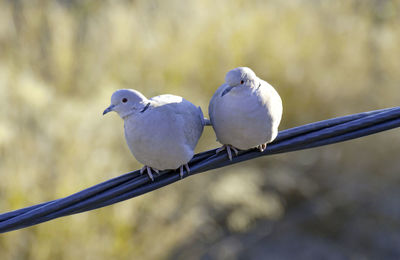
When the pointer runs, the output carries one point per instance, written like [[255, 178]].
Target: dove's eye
[[241, 82], [124, 100]]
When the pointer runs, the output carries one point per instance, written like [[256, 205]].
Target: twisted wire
[[133, 184]]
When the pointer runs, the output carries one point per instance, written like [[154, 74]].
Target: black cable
[[133, 184]]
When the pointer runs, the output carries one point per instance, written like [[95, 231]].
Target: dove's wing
[[214, 101], [187, 117], [274, 102]]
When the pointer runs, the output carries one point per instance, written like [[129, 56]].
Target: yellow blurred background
[[60, 61]]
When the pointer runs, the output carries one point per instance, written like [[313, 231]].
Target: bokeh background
[[61, 60]]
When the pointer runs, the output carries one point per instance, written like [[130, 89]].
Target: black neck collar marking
[[145, 108]]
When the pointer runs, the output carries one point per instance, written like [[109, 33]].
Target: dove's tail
[[204, 120]]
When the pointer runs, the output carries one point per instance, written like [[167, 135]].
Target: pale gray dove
[[245, 112], [161, 132]]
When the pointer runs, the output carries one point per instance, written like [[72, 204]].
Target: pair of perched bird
[[162, 132]]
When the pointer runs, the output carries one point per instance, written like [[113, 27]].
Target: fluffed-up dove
[[245, 112]]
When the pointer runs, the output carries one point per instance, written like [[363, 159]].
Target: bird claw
[[181, 170], [262, 147], [148, 170], [228, 148]]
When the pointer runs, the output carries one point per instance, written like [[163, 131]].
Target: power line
[[133, 184]]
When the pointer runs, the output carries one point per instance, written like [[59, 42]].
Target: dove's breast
[[244, 119]]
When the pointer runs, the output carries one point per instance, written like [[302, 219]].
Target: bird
[[161, 132], [245, 112]]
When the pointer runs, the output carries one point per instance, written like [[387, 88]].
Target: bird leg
[[181, 170], [148, 170], [228, 148], [262, 147]]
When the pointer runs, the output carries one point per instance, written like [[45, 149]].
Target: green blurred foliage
[[61, 60]]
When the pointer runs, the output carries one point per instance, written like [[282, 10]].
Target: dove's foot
[[148, 171], [181, 170], [262, 147], [228, 149]]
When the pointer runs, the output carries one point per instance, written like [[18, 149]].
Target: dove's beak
[[226, 91], [109, 109]]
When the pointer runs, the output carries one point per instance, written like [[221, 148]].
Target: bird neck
[[135, 110]]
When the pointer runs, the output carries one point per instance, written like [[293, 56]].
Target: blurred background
[[60, 61]]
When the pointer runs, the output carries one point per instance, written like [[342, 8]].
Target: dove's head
[[126, 102], [239, 77]]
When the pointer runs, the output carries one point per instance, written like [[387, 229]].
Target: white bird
[[245, 112], [161, 132]]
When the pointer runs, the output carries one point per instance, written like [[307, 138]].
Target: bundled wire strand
[[133, 184]]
